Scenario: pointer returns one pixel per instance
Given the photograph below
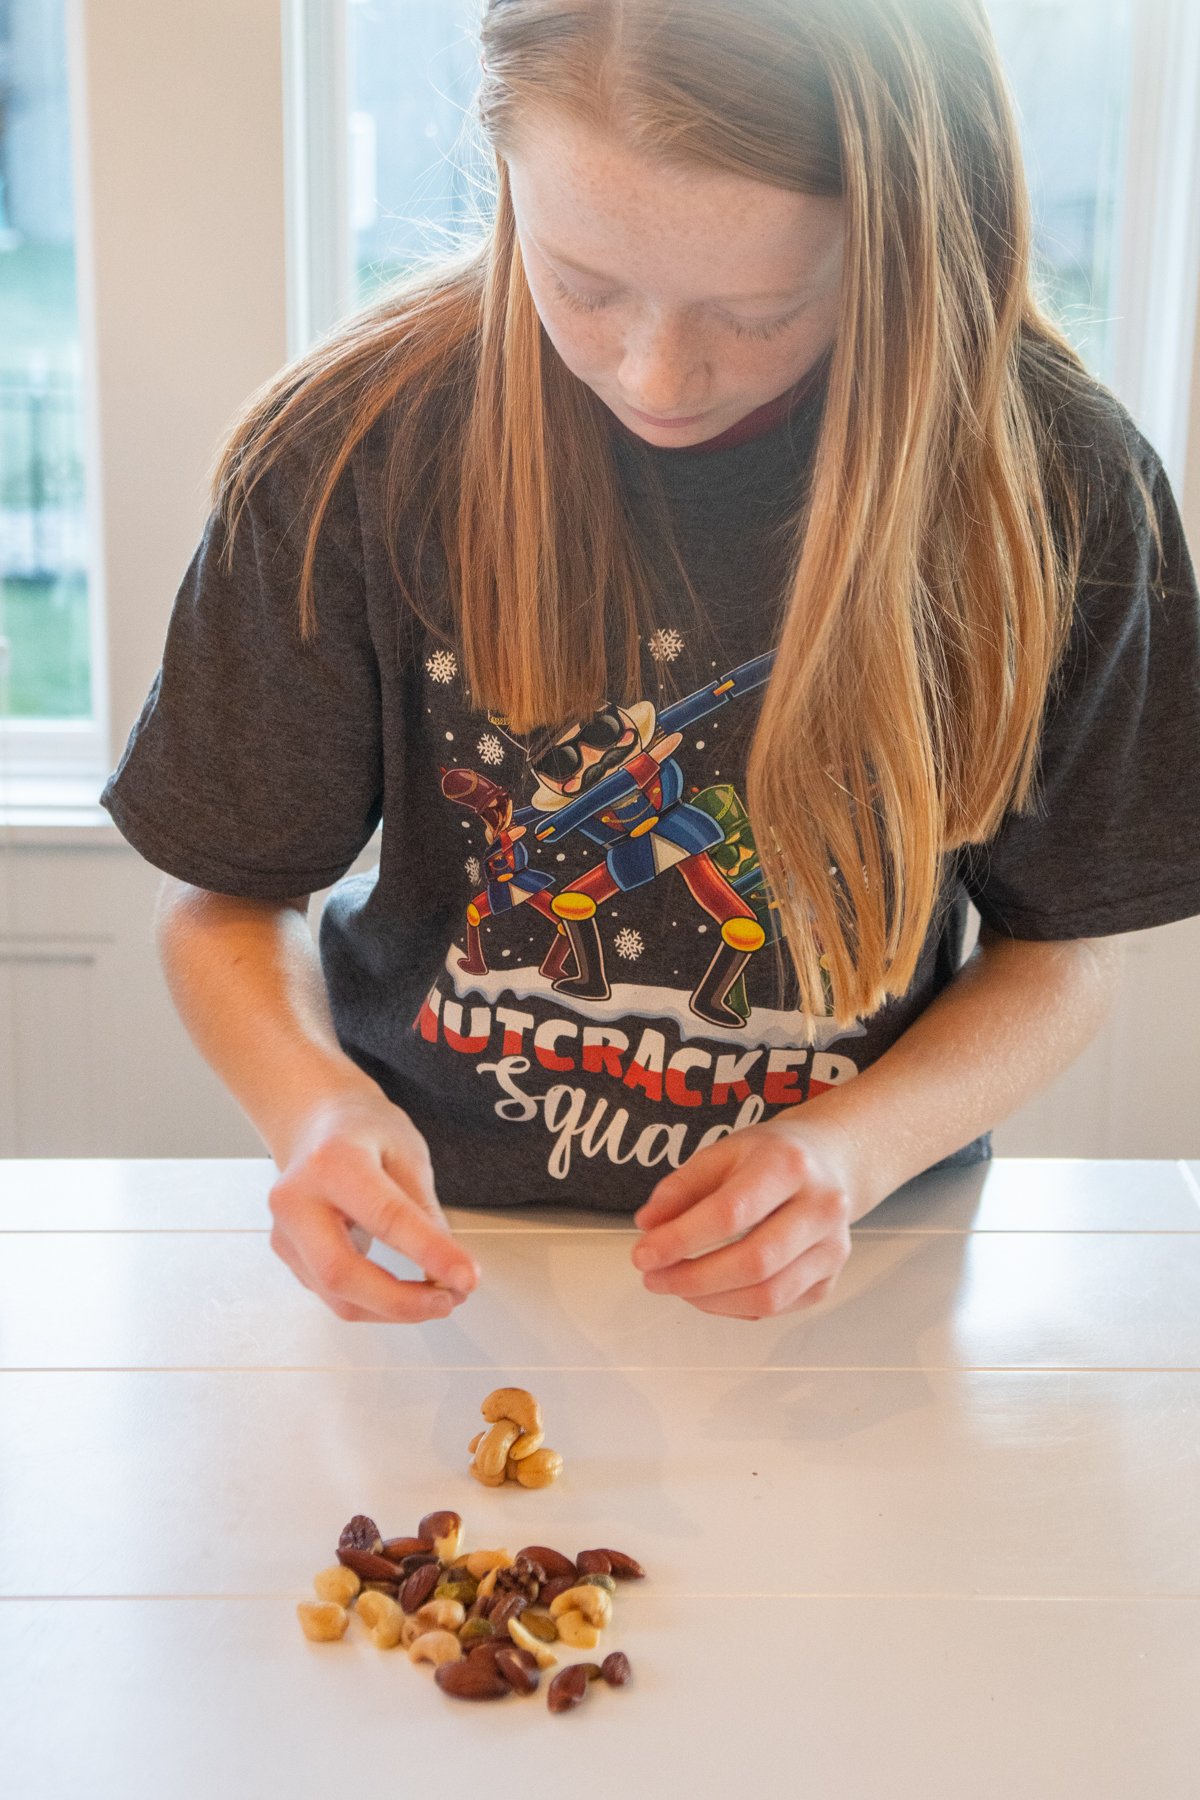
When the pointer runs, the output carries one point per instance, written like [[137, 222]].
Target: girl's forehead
[[587, 201]]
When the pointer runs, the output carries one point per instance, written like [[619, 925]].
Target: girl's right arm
[[246, 980]]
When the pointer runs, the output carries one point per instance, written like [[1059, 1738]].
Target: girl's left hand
[[785, 1190]]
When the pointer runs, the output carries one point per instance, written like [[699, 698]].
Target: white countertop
[[937, 1536]]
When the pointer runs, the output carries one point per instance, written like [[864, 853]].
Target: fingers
[[779, 1240], [679, 1190], [754, 1187], [339, 1198], [803, 1283]]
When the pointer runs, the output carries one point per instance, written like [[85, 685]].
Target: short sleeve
[[255, 767], [1112, 843]]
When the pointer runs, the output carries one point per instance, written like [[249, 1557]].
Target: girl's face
[[690, 297]]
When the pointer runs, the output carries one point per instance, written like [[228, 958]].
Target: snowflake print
[[442, 666], [628, 943], [665, 644], [474, 870], [489, 749]]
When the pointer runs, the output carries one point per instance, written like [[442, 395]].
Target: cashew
[[591, 1601], [475, 1442], [410, 1631], [488, 1480], [492, 1454], [525, 1640], [526, 1444], [322, 1620], [517, 1404], [440, 1615], [574, 1629], [484, 1562], [435, 1647], [383, 1618], [337, 1583], [540, 1469]]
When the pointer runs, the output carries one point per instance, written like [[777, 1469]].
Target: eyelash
[[582, 304]]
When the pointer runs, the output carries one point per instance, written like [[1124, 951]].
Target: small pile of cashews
[[510, 1449]]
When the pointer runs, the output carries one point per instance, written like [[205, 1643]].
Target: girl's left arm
[[787, 1191]]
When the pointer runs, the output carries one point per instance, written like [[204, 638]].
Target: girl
[[712, 579]]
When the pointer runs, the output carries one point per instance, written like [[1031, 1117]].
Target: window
[[411, 70], [44, 627], [1068, 65]]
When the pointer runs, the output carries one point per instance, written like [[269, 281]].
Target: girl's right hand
[[359, 1169]]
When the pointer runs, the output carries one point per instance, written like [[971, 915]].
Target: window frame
[[275, 201]]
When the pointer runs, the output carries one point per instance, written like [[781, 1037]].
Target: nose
[[661, 370]]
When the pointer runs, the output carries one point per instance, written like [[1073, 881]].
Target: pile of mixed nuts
[[487, 1619]]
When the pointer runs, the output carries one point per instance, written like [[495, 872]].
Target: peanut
[[322, 1621]]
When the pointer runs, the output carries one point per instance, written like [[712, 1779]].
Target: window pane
[[43, 583], [413, 69], [1068, 65]]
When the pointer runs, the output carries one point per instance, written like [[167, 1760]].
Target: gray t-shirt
[[565, 968]]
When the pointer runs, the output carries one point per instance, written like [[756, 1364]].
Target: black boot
[[708, 1001], [591, 982], [558, 957]]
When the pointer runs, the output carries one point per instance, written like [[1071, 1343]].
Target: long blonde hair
[[934, 559]]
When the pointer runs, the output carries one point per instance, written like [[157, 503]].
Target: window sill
[[58, 810]]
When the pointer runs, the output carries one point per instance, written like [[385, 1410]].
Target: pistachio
[[461, 1588], [476, 1631], [539, 1624], [542, 1655], [601, 1581]]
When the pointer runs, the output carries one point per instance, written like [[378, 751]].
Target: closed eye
[[594, 302]]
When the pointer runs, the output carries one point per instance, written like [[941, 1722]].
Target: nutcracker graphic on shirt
[[615, 845]]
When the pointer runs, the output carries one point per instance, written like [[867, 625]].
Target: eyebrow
[[788, 293]]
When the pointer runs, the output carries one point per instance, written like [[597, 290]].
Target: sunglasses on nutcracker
[[603, 731]]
